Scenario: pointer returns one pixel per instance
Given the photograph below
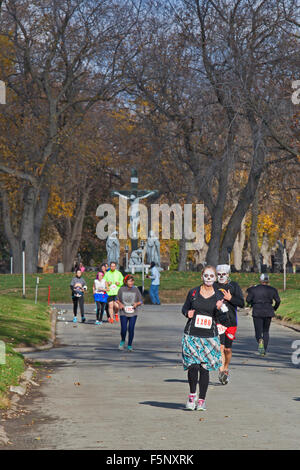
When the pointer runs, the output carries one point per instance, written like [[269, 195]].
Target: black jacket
[[261, 299], [237, 300]]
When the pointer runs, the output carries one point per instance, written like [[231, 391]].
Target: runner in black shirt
[[233, 298], [200, 343], [261, 298]]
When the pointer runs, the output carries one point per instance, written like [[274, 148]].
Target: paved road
[[98, 397]]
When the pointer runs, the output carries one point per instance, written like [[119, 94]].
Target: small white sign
[[134, 180], [2, 92]]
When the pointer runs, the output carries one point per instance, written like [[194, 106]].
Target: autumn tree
[[215, 72], [65, 59]]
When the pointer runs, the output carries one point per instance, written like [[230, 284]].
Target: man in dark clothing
[[233, 298], [260, 298]]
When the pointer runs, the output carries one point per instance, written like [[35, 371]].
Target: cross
[[134, 195]]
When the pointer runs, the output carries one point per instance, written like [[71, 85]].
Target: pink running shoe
[[201, 405], [191, 403]]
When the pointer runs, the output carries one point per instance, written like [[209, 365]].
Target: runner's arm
[[121, 280], [187, 305], [277, 300], [249, 298], [220, 316], [119, 299], [139, 298], [237, 298]]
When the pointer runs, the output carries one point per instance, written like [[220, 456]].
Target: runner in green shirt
[[114, 279]]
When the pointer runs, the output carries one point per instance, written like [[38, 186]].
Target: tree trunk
[[200, 255], [182, 242], [238, 247], [293, 247], [182, 254], [34, 208], [253, 235], [266, 251], [71, 234], [248, 193], [212, 257]]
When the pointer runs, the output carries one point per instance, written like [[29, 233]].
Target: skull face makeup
[[223, 271], [209, 277]]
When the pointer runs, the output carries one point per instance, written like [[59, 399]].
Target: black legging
[[80, 301], [100, 310], [193, 377], [262, 326]]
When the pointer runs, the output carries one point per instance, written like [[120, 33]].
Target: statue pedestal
[[137, 268]]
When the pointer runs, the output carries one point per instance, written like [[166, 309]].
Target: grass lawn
[[289, 309], [22, 323], [173, 289], [170, 281]]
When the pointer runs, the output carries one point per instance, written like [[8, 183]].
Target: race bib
[[221, 328], [113, 287], [128, 309], [203, 321]]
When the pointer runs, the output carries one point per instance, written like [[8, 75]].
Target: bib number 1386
[[203, 321]]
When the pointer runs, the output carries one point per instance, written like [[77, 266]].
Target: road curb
[[17, 392], [26, 378], [287, 324], [292, 326], [48, 345]]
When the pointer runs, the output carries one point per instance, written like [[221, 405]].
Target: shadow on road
[[176, 381], [159, 404]]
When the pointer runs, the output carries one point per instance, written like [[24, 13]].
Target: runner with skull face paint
[[201, 350], [233, 298]]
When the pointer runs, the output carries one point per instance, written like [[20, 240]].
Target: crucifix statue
[[134, 195]]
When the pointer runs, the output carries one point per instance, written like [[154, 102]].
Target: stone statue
[[134, 210], [113, 248], [136, 258], [153, 249], [134, 195]]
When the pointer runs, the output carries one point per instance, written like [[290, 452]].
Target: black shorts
[[111, 298], [225, 341]]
